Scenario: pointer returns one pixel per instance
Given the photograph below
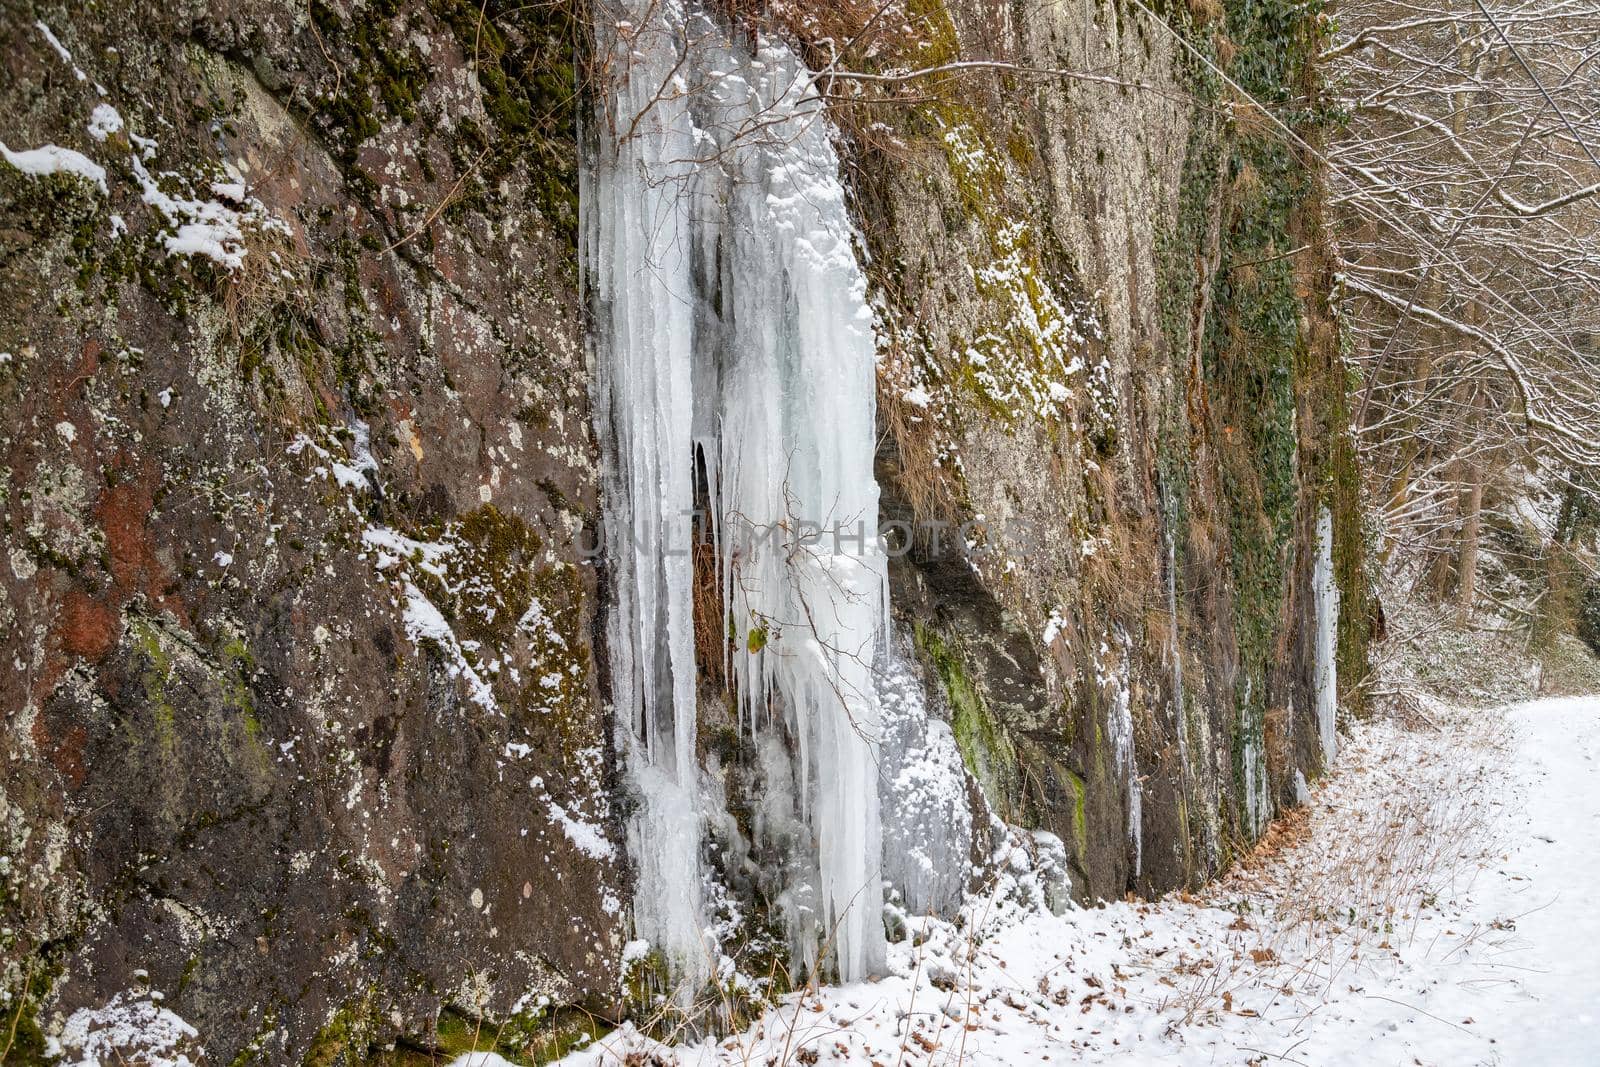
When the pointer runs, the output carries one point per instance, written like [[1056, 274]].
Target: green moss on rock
[[985, 748]]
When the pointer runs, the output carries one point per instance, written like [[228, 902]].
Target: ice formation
[[1325, 595], [1120, 724], [1175, 640], [734, 365], [1253, 762], [927, 821]]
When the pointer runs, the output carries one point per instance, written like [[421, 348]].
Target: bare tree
[[1467, 191]]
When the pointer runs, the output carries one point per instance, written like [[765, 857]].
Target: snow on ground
[[1428, 908]]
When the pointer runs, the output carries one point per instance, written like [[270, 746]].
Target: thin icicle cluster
[[1253, 763], [1120, 725], [1325, 593], [734, 367]]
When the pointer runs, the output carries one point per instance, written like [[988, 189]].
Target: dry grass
[[272, 273], [710, 623], [933, 489], [1123, 579], [1405, 823], [1205, 12]]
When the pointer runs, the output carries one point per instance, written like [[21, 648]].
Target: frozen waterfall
[[734, 368]]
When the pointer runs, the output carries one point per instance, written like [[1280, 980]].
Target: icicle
[[636, 224], [1122, 747], [1253, 760], [1325, 597], [731, 320], [1175, 640]]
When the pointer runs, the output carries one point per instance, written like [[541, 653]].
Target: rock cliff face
[[304, 718], [1111, 357], [301, 710]]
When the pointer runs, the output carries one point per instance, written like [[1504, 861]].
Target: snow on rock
[[392, 547], [589, 837], [393, 554], [104, 121], [213, 229], [1053, 626], [205, 228], [409, 564], [60, 49], [130, 1028], [425, 622], [53, 159], [1030, 315]]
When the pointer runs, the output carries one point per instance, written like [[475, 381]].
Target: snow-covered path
[[1557, 1018], [1433, 907], [1508, 970], [1535, 993]]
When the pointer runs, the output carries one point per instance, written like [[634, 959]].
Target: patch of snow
[[348, 477], [205, 227], [393, 547], [60, 50], [424, 621], [1054, 625], [588, 837], [129, 1028], [104, 121], [53, 159], [481, 1059]]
